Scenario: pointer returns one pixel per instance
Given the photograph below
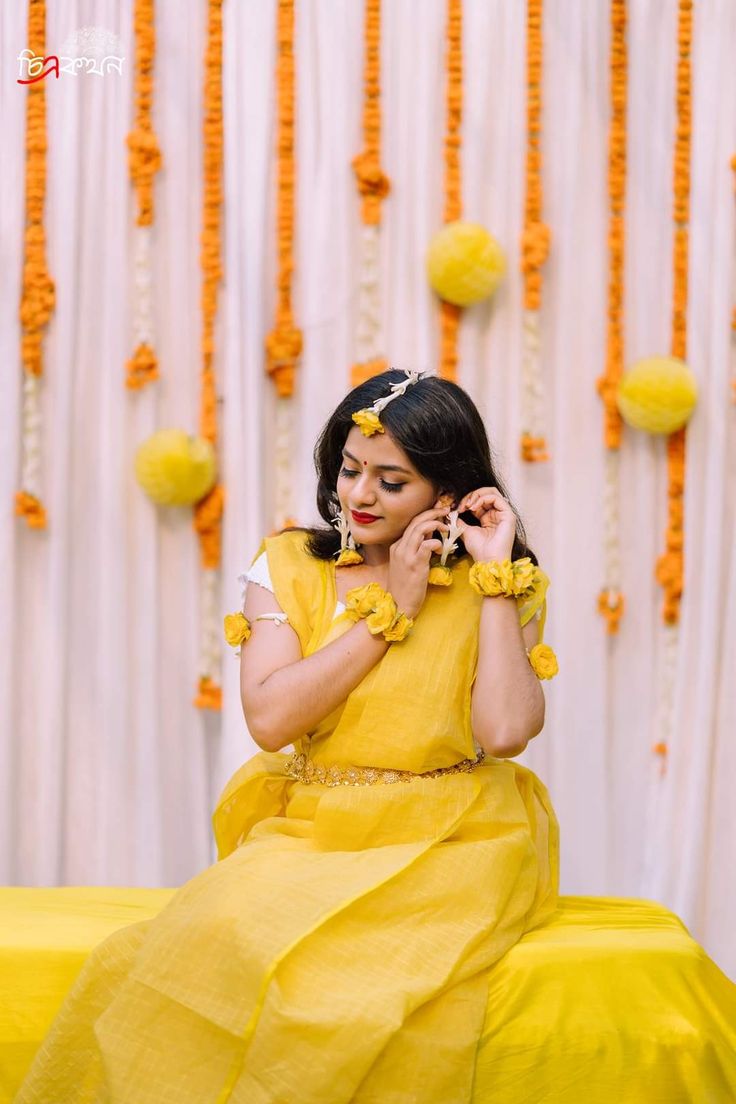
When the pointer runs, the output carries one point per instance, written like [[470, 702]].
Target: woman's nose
[[366, 497]]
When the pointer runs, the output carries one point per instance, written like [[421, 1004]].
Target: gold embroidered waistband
[[301, 767]]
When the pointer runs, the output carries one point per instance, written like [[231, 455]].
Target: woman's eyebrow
[[381, 467]]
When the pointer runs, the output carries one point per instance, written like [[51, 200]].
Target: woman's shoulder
[[298, 580], [288, 543]]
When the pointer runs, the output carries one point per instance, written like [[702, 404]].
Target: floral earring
[[348, 553], [440, 574]]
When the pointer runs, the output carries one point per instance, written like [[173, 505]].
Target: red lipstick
[[364, 519]]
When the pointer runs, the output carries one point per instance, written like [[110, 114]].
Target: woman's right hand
[[409, 559]]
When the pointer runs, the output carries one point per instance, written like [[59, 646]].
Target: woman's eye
[[386, 486]]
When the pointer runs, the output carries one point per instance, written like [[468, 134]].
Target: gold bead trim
[[301, 767]]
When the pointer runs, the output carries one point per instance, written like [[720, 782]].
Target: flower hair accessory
[[380, 611], [367, 419]]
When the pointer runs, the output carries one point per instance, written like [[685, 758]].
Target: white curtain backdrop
[[108, 774]]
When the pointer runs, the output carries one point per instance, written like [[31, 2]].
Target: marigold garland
[[373, 186], [144, 161], [607, 384], [669, 569], [284, 342], [364, 369], [611, 601], [209, 510], [39, 294], [449, 312], [536, 235], [142, 367]]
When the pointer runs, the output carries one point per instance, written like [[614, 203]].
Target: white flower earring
[[348, 554], [449, 539], [440, 574]]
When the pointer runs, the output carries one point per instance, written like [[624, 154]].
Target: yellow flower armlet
[[237, 628], [379, 609]]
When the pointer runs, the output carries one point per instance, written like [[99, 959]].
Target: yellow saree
[[339, 948], [393, 943]]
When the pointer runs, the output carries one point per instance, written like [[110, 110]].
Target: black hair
[[439, 428]]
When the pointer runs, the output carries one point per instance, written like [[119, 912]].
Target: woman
[[339, 949]]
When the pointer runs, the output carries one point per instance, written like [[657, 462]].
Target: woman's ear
[[446, 498]]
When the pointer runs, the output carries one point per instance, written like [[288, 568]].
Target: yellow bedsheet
[[610, 1001]]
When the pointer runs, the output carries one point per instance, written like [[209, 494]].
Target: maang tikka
[[368, 421]]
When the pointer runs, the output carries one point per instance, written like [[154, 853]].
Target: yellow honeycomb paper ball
[[175, 468], [465, 263], [657, 394]]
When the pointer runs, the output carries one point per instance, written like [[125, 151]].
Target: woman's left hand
[[494, 538]]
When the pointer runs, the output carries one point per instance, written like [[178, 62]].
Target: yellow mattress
[[610, 1001]]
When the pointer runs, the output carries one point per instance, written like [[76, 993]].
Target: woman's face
[[394, 493]]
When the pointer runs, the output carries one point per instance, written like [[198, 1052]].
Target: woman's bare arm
[[285, 696]]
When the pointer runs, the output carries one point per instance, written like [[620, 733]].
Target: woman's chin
[[375, 534]]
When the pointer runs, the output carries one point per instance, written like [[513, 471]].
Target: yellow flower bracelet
[[516, 579], [380, 611]]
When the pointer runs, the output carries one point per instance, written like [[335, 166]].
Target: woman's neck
[[353, 575], [375, 555]]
